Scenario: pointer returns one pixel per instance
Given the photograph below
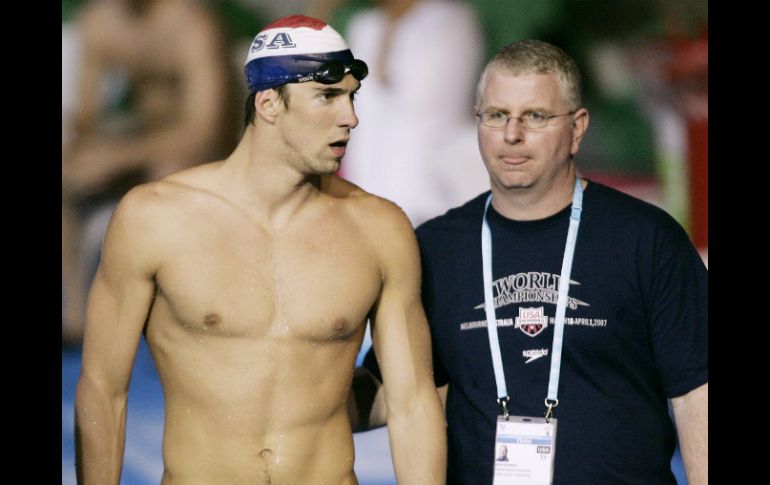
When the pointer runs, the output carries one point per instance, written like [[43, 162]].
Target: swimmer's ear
[[268, 104]]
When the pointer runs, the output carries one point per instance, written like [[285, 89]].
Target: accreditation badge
[[524, 450]]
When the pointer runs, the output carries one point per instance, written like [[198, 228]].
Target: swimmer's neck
[[270, 187]]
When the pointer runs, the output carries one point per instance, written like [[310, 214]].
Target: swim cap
[[292, 48]]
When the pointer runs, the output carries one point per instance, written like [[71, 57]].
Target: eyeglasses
[[531, 120], [333, 71]]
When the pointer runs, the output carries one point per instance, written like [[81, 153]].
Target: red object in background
[[689, 75]]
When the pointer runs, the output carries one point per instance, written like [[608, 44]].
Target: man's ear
[[579, 127], [268, 104]]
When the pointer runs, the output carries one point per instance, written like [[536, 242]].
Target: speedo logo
[[533, 354]]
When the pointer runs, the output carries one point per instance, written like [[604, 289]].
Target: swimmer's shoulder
[[153, 220], [172, 195], [375, 214]]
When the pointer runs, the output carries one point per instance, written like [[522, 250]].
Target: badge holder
[[525, 448]]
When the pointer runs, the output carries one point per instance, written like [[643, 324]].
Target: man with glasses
[[564, 314], [252, 279]]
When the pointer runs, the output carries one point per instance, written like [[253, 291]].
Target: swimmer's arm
[[366, 404], [118, 305], [402, 344]]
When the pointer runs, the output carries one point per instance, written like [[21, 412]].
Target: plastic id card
[[524, 450]]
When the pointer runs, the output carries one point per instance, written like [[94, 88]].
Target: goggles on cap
[[334, 71], [327, 68]]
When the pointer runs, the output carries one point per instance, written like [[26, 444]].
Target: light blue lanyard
[[561, 304]]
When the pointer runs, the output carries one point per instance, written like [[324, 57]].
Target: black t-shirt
[[635, 334]]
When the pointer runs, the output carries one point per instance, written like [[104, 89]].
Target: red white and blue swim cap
[[290, 49]]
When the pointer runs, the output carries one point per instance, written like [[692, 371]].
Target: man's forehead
[[505, 86], [524, 74]]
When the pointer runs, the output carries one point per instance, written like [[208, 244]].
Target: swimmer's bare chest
[[232, 296], [317, 283], [255, 337]]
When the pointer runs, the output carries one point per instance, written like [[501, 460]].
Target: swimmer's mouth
[[338, 148]]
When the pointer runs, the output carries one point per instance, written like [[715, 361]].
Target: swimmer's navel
[[267, 455]]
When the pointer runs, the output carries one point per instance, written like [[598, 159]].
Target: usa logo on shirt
[[531, 321]]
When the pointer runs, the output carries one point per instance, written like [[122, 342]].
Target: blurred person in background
[[415, 145], [155, 94]]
